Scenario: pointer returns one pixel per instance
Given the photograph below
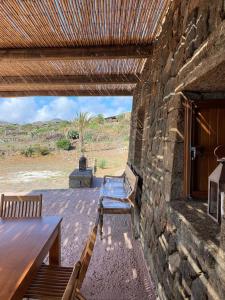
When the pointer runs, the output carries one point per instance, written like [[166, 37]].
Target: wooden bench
[[117, 195]]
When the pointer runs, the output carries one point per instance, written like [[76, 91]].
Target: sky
[[33, 109]]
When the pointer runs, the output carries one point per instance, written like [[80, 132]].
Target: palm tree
[[82, 120]]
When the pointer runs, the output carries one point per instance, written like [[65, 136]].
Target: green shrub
[[44, 151], [94, 125], [64, 144], [88, 137], [73, 134], [102, 164], [28, 152], [40, 150], [100, 119]]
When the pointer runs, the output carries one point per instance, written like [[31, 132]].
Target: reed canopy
[[76, 47]]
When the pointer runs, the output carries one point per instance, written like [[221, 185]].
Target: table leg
[[55, 250]]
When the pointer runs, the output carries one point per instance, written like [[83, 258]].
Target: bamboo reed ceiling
[[112, 66], [75, 37]]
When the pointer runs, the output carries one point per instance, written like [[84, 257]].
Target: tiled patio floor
[[117, 270]]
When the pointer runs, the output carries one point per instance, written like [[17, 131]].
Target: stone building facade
[[181, 244]]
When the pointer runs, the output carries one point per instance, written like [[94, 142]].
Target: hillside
[[30, 158], [102, 133]]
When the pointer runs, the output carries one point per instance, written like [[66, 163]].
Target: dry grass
[[18, 173]]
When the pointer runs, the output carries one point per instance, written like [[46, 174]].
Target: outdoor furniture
[[81, 178], [28, 206], [117, 195], [63, 282], [24, 245]]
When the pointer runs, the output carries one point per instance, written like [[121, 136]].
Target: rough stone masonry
[[181, 245]]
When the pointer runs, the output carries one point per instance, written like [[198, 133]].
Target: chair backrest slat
[[131, 177], [131, 181], [72, 284], [80, 268], [21, 206], [86, 255]]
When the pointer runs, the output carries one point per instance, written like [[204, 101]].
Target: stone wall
[[191, 43]]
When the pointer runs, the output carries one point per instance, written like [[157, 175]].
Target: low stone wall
[[186, 261]]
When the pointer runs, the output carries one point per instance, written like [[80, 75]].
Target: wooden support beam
[[84, 53], [105, 92], [17, 81]]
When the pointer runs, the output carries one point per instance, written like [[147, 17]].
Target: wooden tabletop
[[24, 243]]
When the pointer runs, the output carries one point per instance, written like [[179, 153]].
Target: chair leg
[[79, 296], [101, 225], [101, 218], [135, 233]]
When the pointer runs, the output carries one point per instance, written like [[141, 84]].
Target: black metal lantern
[[216, 189], [82, 163]]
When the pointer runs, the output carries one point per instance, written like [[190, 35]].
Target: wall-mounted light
[[216, 188]]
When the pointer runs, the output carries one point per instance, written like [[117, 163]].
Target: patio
[[117, 269], [169, 56]]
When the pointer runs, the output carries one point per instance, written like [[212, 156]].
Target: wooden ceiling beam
[[84, 53], [17, 81], [106, 92]]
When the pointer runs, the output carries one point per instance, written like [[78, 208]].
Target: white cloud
[[31, 109], [58, 108], [18, 110]]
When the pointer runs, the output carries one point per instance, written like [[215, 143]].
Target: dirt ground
[[18, 173]]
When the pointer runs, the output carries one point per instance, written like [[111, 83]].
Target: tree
[[82, 121], [100, 118]]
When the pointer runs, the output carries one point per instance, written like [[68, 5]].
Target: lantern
[[216, 188]]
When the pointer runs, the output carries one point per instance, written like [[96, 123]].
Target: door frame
[[189, 106], [188, 113]]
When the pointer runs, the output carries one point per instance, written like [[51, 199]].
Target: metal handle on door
[[193, 153]]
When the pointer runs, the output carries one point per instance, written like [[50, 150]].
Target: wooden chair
[[117, 195], [63, 283], [29, 206]]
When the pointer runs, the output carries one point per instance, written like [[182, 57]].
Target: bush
[[88, 137], [44, 151], [41, 150], [28, 152], [54, 136], [100, 119], [64, 144], [102, 164], [36, 149], [94, 125], [73, 134]]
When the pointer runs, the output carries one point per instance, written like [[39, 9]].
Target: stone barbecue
[[80, 178]]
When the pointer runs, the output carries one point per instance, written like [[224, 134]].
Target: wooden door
[[208, 131]]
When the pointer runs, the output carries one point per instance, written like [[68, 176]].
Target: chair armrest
[[117, 199], [111, 176]]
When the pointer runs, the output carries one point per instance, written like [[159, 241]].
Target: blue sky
[[32, 109]]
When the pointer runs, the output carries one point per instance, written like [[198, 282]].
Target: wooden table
[[24, 243]]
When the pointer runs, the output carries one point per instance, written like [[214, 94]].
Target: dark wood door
[[208, 131]]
